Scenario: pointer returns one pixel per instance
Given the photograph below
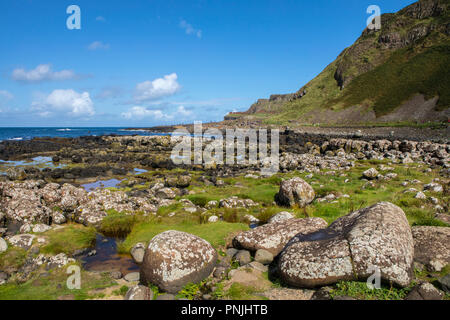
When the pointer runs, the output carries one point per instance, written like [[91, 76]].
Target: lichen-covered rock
[[274, 236], [139, 292], [40, 227], [165, 193], [351, 247], [137, 252], [213, 219], [235, 202], [16, 174], [173, 259], [435, 187], [424, 291], [295, 191], [58, 217], [370, 174], [23, 241], [3, 245], [432, 246], [281, 216]]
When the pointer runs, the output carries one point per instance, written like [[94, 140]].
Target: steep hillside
[[400, 73]]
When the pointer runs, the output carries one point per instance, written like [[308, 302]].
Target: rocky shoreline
[[337, 209]]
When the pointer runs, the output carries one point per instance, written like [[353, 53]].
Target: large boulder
[[432, 246], [295, 191], [352, 247], [174, 259], [274, 236]]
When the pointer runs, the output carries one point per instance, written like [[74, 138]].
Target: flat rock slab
[[248, 277], [432, 246], [288, 294], [353, 247], [132, 277], [272, 237]]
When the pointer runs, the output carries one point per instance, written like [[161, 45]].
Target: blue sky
[[144, 63]]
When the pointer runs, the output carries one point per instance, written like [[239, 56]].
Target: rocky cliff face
[[413, 40]]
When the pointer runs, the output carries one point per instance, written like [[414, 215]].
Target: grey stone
[[378, 236], [3, 245], [370, 174], [263, 256], [139, 292], [220, 272], [445, 282], [174, 259], [137, 252], [231, 252], [295, 191], [424, 291], [274, 236], [284, 215], [132, 277], [243, 257], [431, 246], [258, 266]]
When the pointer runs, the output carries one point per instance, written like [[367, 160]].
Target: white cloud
[[98, 45], [41, 73], [68, 102], [182, 111], [6, 94], [157, 89], [189, 29], [100, 18], [140, 113]]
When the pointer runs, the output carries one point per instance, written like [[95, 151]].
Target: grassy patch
[[68, 239], [54, 285], [117, 224], [359, 290], [238, 291], [404, 74], [13, 258]]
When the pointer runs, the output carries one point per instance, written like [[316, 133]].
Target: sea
[[23, 133]]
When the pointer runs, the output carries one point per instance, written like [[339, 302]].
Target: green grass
[[359, 290], [214, 233], [68, 239], [239, 291], [191, 291], [117, 224], [14, 258], [404, 74], [54, 285]]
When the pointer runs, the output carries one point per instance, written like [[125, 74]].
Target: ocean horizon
[[28, 133]]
